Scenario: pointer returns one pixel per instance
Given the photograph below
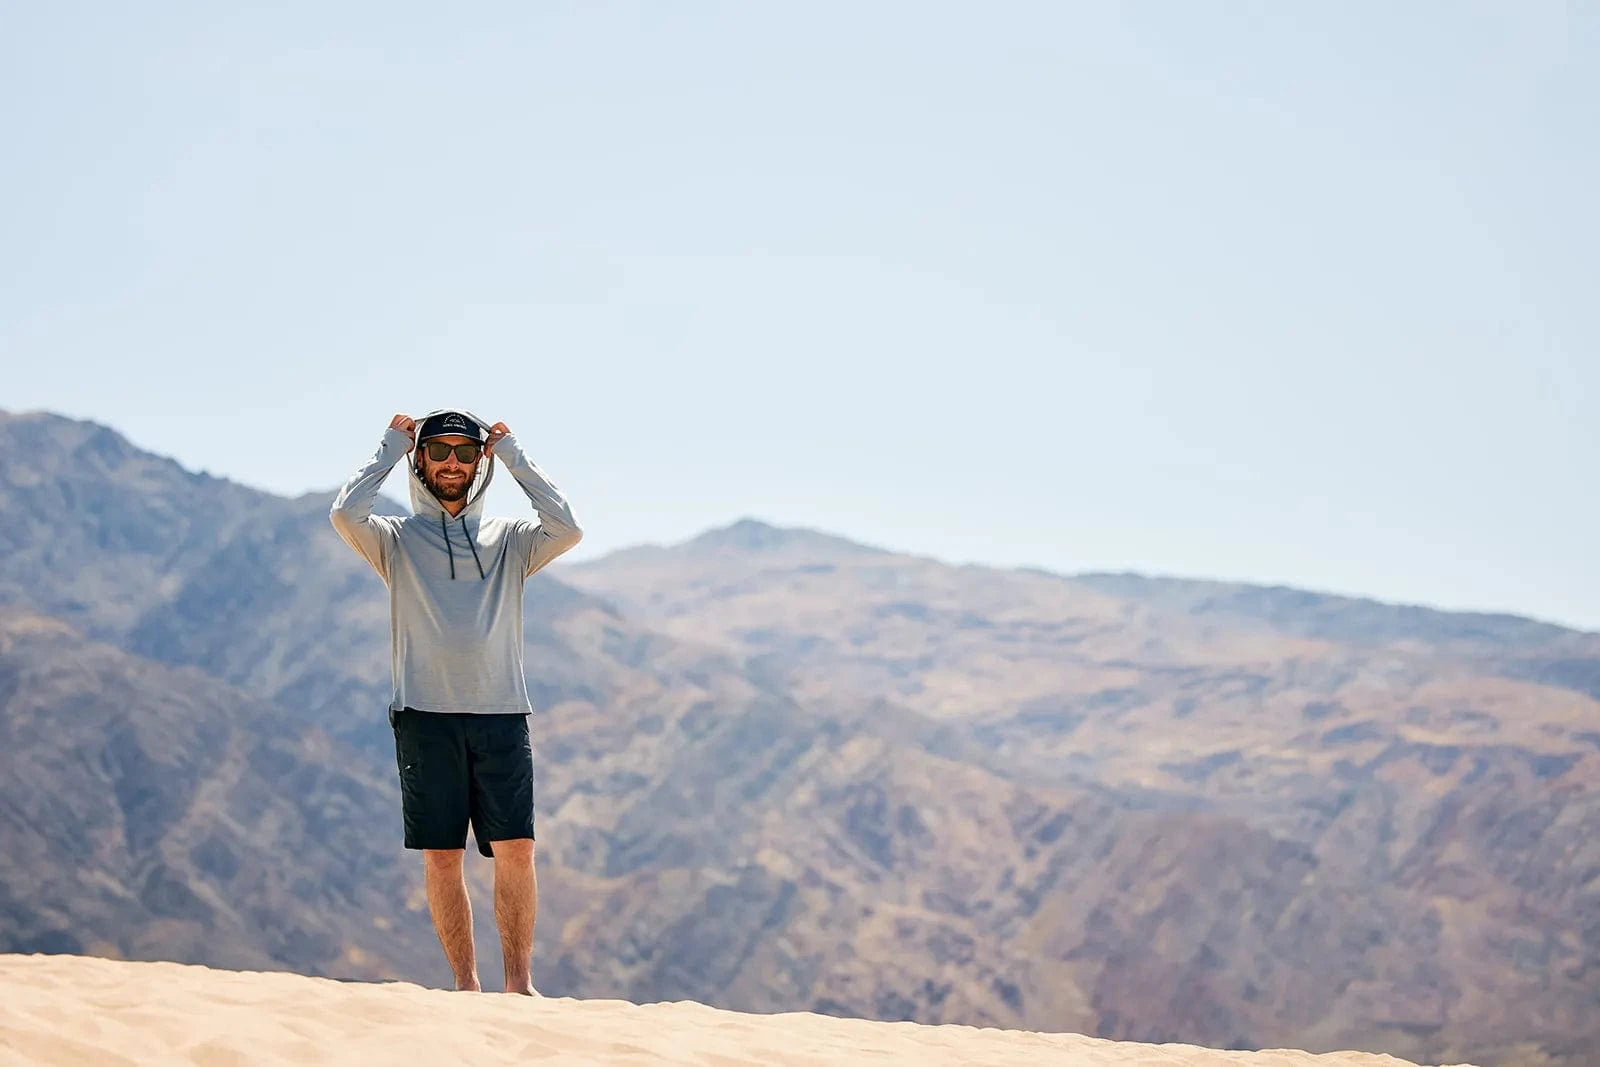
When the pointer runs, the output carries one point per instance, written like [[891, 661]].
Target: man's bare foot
[[469, 987], [525, 990]]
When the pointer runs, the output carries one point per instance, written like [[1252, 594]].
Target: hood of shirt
[[424, 503]]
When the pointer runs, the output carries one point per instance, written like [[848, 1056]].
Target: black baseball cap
[[450, 423]]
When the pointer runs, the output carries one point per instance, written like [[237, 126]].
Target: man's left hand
[[496, 432]]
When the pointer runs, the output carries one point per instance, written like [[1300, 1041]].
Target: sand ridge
[[60, 1010]]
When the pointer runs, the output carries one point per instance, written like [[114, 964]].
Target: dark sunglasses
[[467, 453]]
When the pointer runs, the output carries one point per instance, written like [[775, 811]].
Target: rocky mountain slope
[[149, 812]]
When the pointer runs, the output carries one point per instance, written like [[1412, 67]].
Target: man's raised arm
[[557, 530], [372, 535]]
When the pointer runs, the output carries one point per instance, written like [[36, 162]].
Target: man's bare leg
[[451, 909], [516, 903]]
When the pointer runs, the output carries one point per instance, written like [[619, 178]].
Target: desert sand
[[81, 1010]]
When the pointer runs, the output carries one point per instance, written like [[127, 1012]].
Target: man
[[460, 706]]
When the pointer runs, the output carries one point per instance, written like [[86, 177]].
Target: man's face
[[448, 479]]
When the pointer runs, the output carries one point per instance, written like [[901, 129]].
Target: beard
[[450, 491]]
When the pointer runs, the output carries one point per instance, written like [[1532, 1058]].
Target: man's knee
[[443, 859], [514, 850]]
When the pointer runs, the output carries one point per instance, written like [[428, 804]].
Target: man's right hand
[[407, 425]]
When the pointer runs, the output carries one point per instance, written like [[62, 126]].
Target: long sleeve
[[373, 536], [557, 530]]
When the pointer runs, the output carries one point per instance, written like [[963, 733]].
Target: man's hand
[[497, 431], [408, 425]]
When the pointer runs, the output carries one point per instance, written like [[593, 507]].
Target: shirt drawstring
[[474, 548], [445, 528]]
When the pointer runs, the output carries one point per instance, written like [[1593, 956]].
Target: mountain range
[[779, 770]]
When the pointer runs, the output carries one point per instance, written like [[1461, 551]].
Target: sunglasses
[[438, 451]]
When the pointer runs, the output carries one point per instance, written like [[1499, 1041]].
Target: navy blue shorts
[[457, 770]]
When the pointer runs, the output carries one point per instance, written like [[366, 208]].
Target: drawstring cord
[[474, 548], [445, 527], [447, 547]]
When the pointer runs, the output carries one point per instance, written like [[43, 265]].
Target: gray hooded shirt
[[455, 583]]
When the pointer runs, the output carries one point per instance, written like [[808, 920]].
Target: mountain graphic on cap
[[450, 422]]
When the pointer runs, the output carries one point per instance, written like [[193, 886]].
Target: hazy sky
[[1301, 293]]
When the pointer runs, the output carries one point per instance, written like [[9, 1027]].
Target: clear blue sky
[[1290, 293]]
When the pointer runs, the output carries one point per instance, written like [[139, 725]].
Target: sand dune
[[77, 1010]]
